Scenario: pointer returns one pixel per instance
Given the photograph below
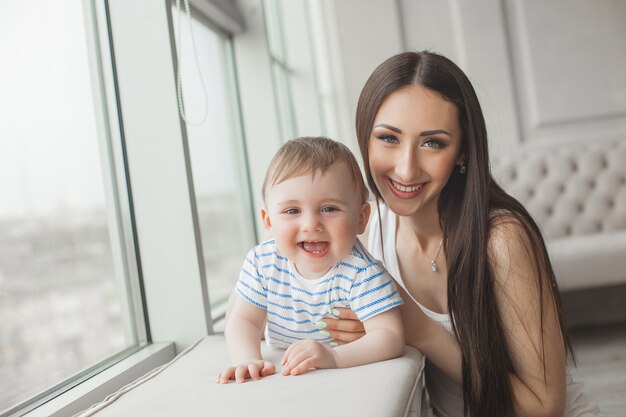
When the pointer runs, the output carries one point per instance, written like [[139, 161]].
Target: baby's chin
[[312, 273]]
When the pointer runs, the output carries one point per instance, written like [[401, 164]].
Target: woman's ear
[[364, 216], [460, 161], [266, 220]]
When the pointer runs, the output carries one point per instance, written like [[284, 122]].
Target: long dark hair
[[468, 206]]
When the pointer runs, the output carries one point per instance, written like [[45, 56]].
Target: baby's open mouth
[[315, 247]]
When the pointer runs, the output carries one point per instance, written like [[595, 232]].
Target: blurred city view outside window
[[65, 296], [217, 152]]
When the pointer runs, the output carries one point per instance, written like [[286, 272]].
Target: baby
[[315, 206]]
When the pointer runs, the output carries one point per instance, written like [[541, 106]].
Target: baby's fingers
[[227, 375], [285, 358], [240, 373], [304, 366], [268, 369], [296, 358], [253, 370], [291, 351]]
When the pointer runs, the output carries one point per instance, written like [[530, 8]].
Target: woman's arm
[[530, 322]]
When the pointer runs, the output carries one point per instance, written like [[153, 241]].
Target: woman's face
[[413, 148]]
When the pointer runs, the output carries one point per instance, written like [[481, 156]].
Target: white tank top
[[446, 395]]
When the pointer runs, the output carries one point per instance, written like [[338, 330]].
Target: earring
[[462, 169]]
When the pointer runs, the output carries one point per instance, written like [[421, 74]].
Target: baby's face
[[315, 218]]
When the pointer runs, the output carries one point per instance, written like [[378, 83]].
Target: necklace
[[433, 262]]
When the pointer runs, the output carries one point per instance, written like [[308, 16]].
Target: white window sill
[[96, 388]]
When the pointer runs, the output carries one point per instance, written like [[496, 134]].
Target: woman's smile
[[415, 145], [404, 190]]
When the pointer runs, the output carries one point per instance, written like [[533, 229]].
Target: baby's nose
[[312, 222]]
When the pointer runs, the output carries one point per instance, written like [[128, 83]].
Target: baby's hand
[[251, 370], [307, 354]]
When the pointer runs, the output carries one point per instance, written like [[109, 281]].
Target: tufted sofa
[[577, 195]]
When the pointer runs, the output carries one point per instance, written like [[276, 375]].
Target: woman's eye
[[329, 209], [388, 138], [292, 211], [433, 143]]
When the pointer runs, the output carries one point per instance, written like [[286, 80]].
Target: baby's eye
[[329, 209], [292, 211], [388, 139]]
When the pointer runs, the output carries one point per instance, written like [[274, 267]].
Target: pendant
[[433, 266]]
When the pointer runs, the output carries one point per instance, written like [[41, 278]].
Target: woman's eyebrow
[[386, 126], [424, 133], [434, 132]]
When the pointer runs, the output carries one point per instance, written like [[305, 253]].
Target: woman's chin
[[402, 207]]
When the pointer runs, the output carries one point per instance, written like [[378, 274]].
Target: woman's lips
[[405, 191]]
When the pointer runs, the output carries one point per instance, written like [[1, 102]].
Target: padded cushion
[[186, 387], [577, 195], [589, 260], [570, 190]]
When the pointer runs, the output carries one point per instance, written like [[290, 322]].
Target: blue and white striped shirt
[[270, 281]]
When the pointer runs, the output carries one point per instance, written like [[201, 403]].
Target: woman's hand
[[345, 330]]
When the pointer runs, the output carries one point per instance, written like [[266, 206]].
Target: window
[[217, 153], [295, 61], [68, 274]]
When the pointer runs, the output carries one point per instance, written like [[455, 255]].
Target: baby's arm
[[243, 332], [384, 339]]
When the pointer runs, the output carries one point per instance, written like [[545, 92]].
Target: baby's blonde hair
[[308, 155]]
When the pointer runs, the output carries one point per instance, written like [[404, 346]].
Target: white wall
[[569, 60], [546, 73], [365, 33]]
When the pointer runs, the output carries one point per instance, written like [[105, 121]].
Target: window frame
[[158, 165], [296, 59], [154, 49], [155, 155], [119, 214], [218, 310]]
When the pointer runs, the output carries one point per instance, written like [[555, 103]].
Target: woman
[[481, 300]]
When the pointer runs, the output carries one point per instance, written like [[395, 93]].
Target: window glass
[[64, 299], [294, 61], [217, 154]]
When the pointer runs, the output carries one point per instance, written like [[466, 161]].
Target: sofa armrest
[[589, 260], [186, 387]]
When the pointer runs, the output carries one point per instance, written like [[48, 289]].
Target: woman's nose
[[407, 166]]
